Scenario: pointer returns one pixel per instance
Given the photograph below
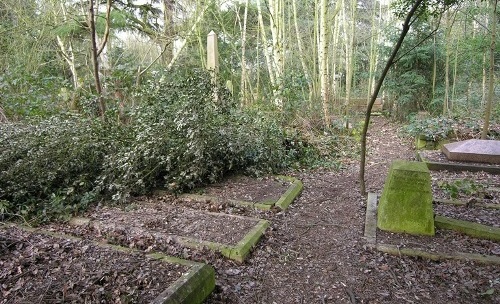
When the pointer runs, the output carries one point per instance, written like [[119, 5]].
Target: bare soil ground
[[314, 251]]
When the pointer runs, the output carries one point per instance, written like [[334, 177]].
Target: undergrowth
[[177, 138]]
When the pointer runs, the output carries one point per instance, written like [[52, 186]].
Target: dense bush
[[431, 128], [178, 137], [49, 168]]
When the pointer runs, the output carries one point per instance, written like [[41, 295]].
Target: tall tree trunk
[[276, 25], [95, 59], [168, 31], [434, 64], [349, 32], [243, 89], [389, 63], [335, 58], [264, 44], [483, 82], [491, 82], [373, 52], [322, 60], [302, 58], [455, 70]]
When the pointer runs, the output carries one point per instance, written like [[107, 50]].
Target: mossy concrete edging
[[193, 287], [237, 252], [370, 237], [292, 192], [371, 220], [437, 166], [473, 229]]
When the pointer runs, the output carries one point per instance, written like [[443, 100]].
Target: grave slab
[[406, 201], [474, 150]]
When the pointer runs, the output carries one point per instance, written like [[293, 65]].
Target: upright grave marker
[[213, 60], [406, 201], [212, 53]]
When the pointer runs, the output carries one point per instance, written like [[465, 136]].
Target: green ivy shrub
[[178, 137], [49, 168], [432, 128]]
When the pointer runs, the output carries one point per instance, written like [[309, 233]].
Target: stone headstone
[[406, 201], [474, 150], [212, 52]]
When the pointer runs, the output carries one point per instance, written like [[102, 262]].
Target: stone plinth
[[473, 150], [406, 201]]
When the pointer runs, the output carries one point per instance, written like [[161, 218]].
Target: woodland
[[111, 109], [111, 99]]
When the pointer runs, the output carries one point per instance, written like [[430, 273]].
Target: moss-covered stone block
[[406, 201]]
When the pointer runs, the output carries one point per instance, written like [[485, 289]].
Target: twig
[[352, 296], [18, 215], [46, 290]]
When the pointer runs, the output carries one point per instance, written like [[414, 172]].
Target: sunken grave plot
[[272, 192], [40, 267], [169, 229]]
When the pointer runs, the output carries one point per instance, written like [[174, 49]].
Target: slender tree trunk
[[305, 70], [68, 54], [349, 32], [434, 64], [264, 44], [491, 82], [322, 60], [483, 86], [335, 58], [389, 63], [243, 89], [373, 53], [276, 25], [168, 31], [455, 69], [95, 59], [446, 100]]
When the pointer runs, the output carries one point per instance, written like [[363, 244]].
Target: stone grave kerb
[[406, 201]]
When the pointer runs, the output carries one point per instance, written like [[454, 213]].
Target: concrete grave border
[[437, 166], [237, 252], [283, 202], [192, 287], [370, 236]]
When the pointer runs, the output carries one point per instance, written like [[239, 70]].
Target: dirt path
[[314, 252]]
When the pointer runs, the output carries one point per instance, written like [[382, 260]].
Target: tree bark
[[95, 60], [389, 63], [322, 60], [243, 99], [491, 82]]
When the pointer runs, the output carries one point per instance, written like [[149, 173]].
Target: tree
[[491, 82], [390, 61], [96, 51]]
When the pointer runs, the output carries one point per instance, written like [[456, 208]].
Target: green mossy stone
[[406, 201]]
